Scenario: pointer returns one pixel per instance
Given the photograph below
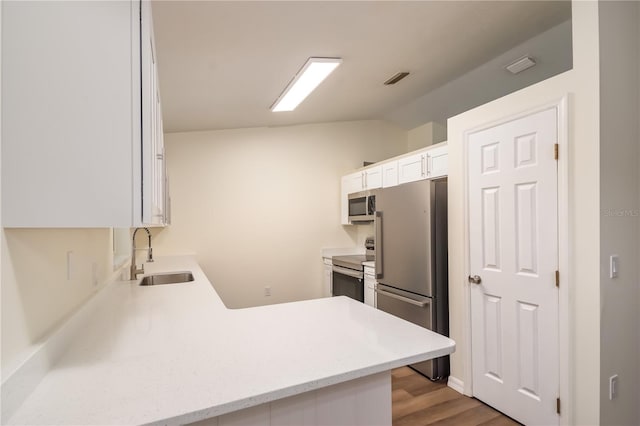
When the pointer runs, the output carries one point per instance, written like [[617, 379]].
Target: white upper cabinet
[[373, 177], [412, 167], [369, 178], [426, 163], [429, 163], [153, 166], [78, 78], [438, 165], [390, 174]]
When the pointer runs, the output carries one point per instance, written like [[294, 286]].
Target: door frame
[[566, 327]]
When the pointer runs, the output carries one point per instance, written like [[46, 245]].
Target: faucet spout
[[134, 271]]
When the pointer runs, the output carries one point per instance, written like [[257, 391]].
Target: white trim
[[24, 378], [565, 325], [456, 384]]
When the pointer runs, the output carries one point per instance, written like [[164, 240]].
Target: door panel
[[514, 249], [405, 244]]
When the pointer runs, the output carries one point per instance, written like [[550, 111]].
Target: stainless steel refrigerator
[[411, 259]]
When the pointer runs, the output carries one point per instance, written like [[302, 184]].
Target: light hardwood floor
[[418, 401]]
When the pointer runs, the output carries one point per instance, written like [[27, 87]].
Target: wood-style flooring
[[417, 400]]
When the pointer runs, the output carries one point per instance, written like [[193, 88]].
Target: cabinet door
[[68, 114], [153, 164], [373, 177], [349, 184], [354, 182], [390, 174], [438, 162], [327, 290], [412, 168], [369, 287]]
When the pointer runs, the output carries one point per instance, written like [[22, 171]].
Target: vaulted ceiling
[[223, 63]]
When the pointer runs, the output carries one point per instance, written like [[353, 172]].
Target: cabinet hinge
[[555, 151], [557, 278], [558, 405]]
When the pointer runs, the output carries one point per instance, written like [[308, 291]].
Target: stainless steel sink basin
[[167, 278]]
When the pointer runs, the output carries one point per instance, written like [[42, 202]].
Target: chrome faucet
[[134, 268]]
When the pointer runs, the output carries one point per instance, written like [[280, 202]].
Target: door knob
[[475, 279]]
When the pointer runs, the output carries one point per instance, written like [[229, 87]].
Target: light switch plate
[[614, 265]]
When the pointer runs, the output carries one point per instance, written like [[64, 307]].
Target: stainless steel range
[[348, 273]]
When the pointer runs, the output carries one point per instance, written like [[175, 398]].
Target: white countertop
[[174, 354]]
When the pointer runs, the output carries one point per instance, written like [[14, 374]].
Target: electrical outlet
[[267, 291], [613, 386]]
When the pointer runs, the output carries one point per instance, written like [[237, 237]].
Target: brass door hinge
[[558, 405], [555, 151], [557, 278]]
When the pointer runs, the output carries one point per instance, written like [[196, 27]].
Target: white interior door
[[513, 226]]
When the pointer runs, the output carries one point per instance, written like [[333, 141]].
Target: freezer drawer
[[420, 310]]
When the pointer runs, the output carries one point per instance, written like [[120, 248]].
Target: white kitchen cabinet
[[79, 78], [373, 177], [390, 174], [369, 178], [426, 163], [412, 167], [327, 289], [370, 297], [438, 162]]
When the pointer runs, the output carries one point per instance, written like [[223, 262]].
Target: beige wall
[[619, 183], [258, 205], [36, 294], [581, 84], [425, 135]]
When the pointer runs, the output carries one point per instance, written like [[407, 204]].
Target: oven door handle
[[419, 303], [349, 272]]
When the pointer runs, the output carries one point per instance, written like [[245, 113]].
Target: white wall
[[258, 205], [581, 84], [425, 135], [36, 294], [619, 203]]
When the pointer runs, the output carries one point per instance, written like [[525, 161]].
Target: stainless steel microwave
[[362, 206]]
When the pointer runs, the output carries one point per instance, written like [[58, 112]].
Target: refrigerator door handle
[[377, 250], [419, 303]]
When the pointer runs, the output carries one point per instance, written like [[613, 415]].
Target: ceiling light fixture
[[312, 73], [520, 64]]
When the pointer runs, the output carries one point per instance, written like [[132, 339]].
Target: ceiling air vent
[[520, 64], [396, 78]]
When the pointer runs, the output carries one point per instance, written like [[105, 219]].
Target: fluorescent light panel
[[314, 71]]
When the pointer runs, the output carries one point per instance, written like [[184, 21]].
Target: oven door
[[348, 282]]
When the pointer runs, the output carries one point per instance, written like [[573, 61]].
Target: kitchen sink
[[167, 278]]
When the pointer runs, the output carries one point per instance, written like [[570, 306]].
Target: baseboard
[[23, 379], [456, 384]]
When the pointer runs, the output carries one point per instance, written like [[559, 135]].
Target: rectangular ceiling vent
[[520, 64], [396, 78]]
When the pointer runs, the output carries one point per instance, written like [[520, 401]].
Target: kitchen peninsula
[[174, 354]]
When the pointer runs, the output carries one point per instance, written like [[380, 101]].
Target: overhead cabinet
[[426, 163], [82, 141], [369, 178]]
